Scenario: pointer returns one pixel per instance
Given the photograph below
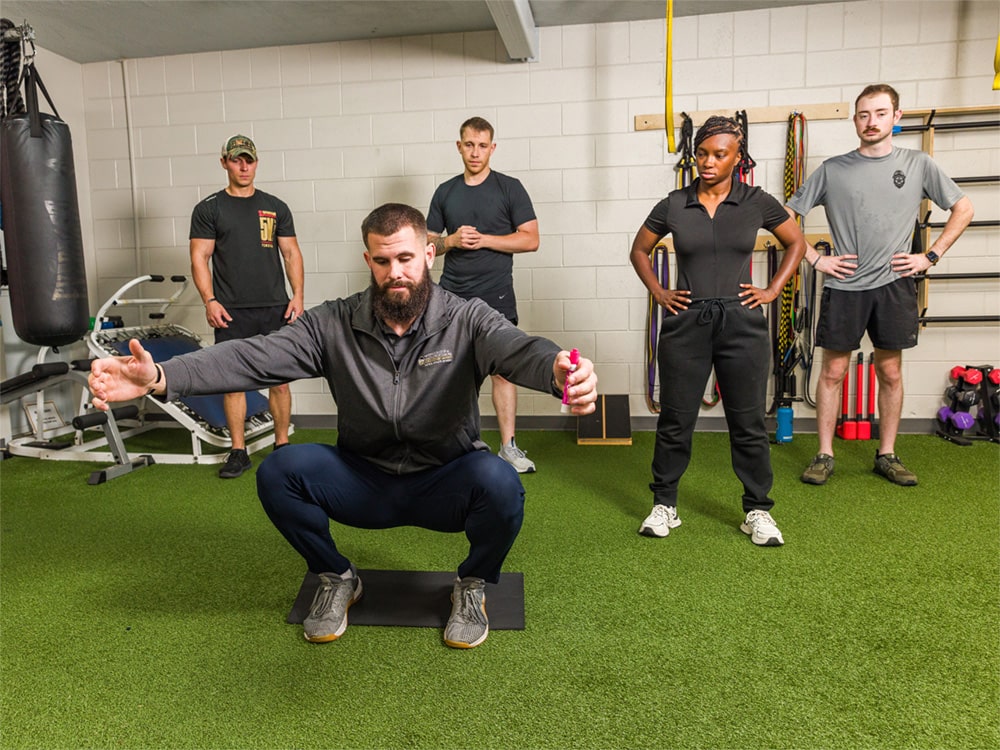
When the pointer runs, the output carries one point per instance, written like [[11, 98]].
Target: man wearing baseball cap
[[239, 145], [249, 237]]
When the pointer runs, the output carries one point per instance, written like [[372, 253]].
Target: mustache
[[385, 286]]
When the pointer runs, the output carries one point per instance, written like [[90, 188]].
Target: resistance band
[[686, 164], [661, 269], [791, 316], [685, 169]]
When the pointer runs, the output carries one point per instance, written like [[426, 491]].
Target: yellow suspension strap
[[668, 80], [996, 66]]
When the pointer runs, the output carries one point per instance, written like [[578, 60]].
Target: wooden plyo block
[[610, 424]]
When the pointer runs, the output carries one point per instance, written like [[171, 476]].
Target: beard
[[395, 306]]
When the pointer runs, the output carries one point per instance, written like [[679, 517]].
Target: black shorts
[[251, 321], [888, 314], [501, 300]]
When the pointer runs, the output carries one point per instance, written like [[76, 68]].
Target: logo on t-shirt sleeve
[[268, 222], [898, 178]]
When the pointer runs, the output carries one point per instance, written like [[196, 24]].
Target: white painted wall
[[343, 127]]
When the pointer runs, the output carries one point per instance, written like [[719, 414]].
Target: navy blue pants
[[302, 487], [734, 339]]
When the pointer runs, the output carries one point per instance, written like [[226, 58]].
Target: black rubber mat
[[419, 599]]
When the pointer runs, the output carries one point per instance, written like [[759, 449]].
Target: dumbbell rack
[[977, 385]]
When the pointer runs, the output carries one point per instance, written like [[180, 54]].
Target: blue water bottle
[[784, 432]]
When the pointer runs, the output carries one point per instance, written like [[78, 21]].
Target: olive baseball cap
[[237, 145]]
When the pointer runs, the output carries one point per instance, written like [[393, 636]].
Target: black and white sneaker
[[762, 529], [236, 464]]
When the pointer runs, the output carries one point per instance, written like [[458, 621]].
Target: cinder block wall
[[342, 127]]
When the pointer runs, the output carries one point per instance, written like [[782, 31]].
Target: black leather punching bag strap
[[33, 82], [45, 262]]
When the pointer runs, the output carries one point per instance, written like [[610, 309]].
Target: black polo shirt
[[713, 254]]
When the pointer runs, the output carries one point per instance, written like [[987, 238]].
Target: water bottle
[[784, 432]]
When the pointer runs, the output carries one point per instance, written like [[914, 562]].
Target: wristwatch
[[933, 257]]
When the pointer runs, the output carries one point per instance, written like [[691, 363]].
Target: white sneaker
[[516, 458], [762, 529], [660, 521]]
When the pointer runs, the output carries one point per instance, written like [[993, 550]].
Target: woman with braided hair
[[715, 317]]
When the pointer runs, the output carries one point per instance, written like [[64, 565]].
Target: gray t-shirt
[[872, 206]]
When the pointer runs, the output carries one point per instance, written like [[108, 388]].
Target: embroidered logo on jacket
[[898, 178], [440, 357]]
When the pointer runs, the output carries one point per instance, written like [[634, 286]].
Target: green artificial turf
[[148, 612]]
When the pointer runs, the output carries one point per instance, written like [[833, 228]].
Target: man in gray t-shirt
[[872, 197]]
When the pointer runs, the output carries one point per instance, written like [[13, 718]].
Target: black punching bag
[[41, 224]]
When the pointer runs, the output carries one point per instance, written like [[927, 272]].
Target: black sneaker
[[236, 464]]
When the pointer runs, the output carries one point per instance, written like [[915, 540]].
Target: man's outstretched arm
[[115, 379]]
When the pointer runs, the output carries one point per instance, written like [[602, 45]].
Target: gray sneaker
[[889, 466], [468, 625], [516, 458], [327, 618], [819, 470]]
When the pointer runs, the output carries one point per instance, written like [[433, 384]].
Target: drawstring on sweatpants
[[712, 306]]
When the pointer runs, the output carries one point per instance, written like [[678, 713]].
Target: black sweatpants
[[733, 338]]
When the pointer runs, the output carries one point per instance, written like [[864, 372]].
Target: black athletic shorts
[[888, 313], [501, 300], [251, 321]]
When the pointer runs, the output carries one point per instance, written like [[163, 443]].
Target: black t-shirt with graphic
[[247, 270]]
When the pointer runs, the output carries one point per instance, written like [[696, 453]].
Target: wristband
[[159, 377], [813, 264], [210, 301]]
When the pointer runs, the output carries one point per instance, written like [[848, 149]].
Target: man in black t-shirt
[[478, 220], [248, 235]]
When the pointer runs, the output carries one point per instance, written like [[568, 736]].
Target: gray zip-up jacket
[[421, 415]]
